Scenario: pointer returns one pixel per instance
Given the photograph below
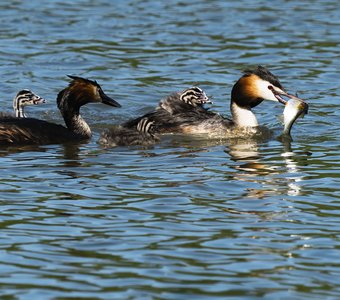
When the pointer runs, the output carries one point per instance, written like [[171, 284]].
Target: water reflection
[[272, 175], [243, 149], [292, 168], [71, 154]]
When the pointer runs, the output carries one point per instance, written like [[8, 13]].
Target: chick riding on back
[[25, 98], [79, 92], [253, 87]]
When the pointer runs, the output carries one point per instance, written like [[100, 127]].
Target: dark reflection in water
[[191, 217]]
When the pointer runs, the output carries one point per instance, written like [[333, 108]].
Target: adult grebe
[[79, 92], [249, 91], [23, 98]]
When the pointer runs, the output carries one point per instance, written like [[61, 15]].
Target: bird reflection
[[292, 167], [247, 150], [276, 177], [71, 154]]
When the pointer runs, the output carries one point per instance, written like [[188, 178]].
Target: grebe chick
[[143, 135], [249, 91], [23, 98], [165, 117], [79, 92], [182, 101]]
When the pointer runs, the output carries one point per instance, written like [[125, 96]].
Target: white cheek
[[265, 93]]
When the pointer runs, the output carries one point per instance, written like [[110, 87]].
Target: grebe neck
[[18, 108], [19, 112], [76, 124], [243, 116]]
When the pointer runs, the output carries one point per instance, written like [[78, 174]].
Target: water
[[188, 218]]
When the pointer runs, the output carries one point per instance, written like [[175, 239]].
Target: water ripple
[[188, 218]]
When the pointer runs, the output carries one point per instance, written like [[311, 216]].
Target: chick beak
[[205, 99], [38, 100]]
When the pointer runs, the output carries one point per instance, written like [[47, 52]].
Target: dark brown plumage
[[79, 92]]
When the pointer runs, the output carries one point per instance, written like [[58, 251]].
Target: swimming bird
[[141, 131], [250, 90], [23, 98], [79, 92]]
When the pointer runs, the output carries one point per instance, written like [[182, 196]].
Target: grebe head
[[257, 85], [194, 96], [24, 98], [82, 91]]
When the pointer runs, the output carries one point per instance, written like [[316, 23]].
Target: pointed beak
[[38, 100], [205, 99], [278, 93], [109, 101]]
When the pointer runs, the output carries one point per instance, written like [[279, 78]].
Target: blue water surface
[[191, 217]]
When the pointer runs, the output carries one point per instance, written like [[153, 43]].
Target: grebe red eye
[[270, 87]]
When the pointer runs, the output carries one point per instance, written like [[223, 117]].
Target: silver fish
[[294, 108]]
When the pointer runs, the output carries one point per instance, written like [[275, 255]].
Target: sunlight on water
[[191, 217]]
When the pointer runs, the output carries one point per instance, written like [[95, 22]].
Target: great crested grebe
[[141, 131], [23, 98], [249, 91], [79, 92]]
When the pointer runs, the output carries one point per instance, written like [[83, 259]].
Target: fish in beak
[[294, 108]]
